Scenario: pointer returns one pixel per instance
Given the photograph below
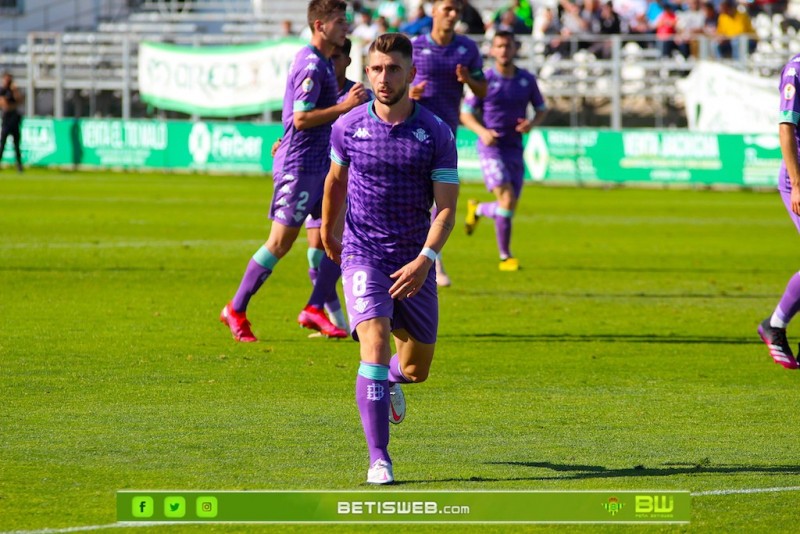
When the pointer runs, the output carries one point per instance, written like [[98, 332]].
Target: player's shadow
[[582, 472], [669, 339]]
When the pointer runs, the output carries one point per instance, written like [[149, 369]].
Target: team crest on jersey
[[788, 92], [523, 82], [361, 305], [462, 50], [362, 133], [421, 135], [308, 85]]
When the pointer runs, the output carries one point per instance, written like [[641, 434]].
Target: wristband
[[429, 253]]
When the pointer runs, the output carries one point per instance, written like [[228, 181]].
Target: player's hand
[[356, 95], [795, 200], [462, 73], [333, 246], [416, 91], [489, 137], [409, 278], [275, 146], [524, 126]]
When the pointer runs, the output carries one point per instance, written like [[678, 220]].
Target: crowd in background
[[671, 26]]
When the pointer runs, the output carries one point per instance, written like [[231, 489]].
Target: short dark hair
[[347, 46], [505, 34], [393, 42], [323, 9]]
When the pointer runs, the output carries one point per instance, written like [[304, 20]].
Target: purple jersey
[[505, 103], [311, 85], [390, 186], [790, 111], [437, 65]]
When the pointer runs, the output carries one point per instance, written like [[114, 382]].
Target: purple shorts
[[294, 198], [500, 166], [787, 201], [366, 292], [313, 222]]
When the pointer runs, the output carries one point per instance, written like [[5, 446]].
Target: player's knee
[[416, 373]]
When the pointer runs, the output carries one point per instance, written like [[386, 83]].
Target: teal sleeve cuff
[[299, 105], [445, 176], [790, 116]]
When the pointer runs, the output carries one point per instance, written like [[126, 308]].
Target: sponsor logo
[[788, 92], [654, 504], [200, 143], [613, 506], [307, 85], [362, 133]]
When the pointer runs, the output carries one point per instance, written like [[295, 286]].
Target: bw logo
[[658, 504], [374, 392]]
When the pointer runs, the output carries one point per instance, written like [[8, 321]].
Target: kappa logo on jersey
[[791, 72], [307, 85], [361, 304], [312, 55], [362, 133], [282, 202], [280, 215], [421, 135], [426, 52], [286, 189], [788, 92], [289, 178], [311, 66]]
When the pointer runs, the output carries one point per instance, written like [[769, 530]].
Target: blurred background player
[[773, 329], [504, 120], [10, 101], [445, 61], [341, 60], [299, 168], [390, 159]]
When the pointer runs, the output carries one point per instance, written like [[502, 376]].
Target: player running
[[504, 113]]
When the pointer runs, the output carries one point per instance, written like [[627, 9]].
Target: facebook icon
[[142, 507]]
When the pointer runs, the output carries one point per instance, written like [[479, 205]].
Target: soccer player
[[504, 110], [445, 62], [773, 329], [10, 101], [391, 158], [341, 60], [299, 168]]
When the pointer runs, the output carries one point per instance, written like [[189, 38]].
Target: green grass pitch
[[623, 356]]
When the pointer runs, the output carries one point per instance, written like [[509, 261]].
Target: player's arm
[[332, 202], [786, 133], [470, 121], [304, 119], [410, 277], [17, 95], [476, 82]]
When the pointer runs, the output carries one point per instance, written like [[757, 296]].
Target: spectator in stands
[[691, 23], [10, 101], [471, 20], [420, 24], [394, 11], [521, 9], [508, 21], [710, 24], [608, 23], [365, 31], [667, 33], [286, 28], [633, 16], [573, 24], [654, 10], [548, 28], [733, 25]]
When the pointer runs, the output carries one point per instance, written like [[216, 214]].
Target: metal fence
[[631, 83]]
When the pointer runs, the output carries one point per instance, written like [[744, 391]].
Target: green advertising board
[[582, 156]]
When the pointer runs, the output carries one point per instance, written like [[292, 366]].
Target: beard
[[392, 100]]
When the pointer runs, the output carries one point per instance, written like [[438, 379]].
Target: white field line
[[745, 491]]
